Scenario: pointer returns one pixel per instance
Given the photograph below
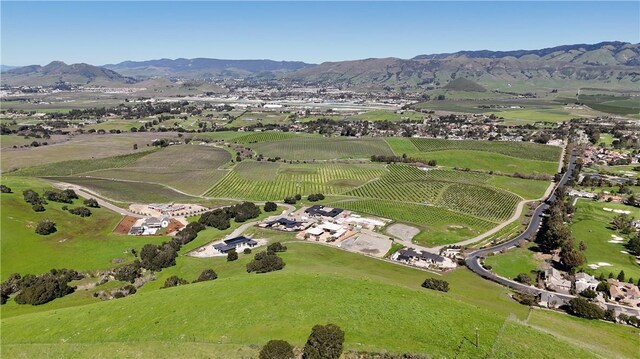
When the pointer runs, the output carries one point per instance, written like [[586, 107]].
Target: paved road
[[473, 259]]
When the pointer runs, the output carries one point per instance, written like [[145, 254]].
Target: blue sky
[[109, 32]]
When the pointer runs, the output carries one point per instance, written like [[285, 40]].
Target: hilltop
[[58, 71]]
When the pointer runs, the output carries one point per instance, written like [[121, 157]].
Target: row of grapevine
[[308, 148], [526, 150]]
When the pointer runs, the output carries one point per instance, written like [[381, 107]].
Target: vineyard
[[310, 148], [274, 181], [448, 189], [257, 137], [439, 226], [526, 150], [504, 157]]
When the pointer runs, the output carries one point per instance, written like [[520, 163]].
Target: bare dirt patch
[[403, 231], [125, 225], [174, 226]]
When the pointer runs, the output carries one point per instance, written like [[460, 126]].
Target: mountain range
[[610, 64]]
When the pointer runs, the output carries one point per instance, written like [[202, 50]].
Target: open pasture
[[189, 168], [274, 181], [79, 243], [324, 148], [81, 147]]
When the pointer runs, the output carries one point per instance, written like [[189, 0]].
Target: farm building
[[422, 259], [285, 224], [322, 211], [238, 243], [149, 226], [155, 222]]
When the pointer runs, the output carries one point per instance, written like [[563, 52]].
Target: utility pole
[[477, 339]]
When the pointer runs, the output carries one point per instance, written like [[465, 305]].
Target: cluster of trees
[[623, 223], [219, 218], [583, 308], [91, 202], [264, 262], [315, 197], [555, 234], [33, 198], [206, 275], [36, 290], [128, 272], [436, 284], [5, 189], [46, 226], [324, 342], [156, 257], [523, 278], [65, 196], [80, 211], [293, 200], [634, 244]]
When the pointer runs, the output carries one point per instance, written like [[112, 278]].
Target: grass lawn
[[513, 262], [591, 225]]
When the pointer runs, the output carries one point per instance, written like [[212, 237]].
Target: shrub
[[324, 342], [265, 262], [174, 281], [523, 278], [232, 255], [38, 207], [276, 349], [36, 290], [290, 200], [315, 197], [207, 274], [128, 272], [298, 197], [247, 251], [91, 202], [155, 257], [436, 284], [5, 189], [276, 247], [270, 207], [80, 211], [46, 226], [526, 298], [589, 293], [581, 307]]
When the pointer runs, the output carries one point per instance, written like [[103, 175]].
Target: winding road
[[473, 259]]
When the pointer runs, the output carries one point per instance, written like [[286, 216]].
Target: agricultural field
[[442, 189], [256, 137], [324, 148], [503, 157], [520, 117], [438, 226], [81, 147], [188, 168], [591, 224], [274, 180], [620, 105], [383, 115], [80, 243]]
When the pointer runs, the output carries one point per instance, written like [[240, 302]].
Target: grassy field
[[128, 192], [82, 147], [438, 225], [379, 305], [591, 225], [189, 168], [474, 158], [75, 167], [79, 243], [323, 148], [257, 137], [274, 181], [519, 117], [513, 262]]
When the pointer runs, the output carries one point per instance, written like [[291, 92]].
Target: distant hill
[[609, 64], [462, 84], [204, 67], [58, 71], [604, 53], [4, 68]]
